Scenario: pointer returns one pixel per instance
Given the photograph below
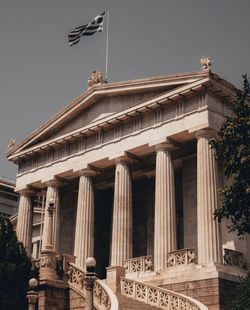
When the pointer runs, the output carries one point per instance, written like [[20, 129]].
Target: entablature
[[104, 124]]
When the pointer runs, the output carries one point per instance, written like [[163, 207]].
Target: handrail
[[104, 298], [159, 297]]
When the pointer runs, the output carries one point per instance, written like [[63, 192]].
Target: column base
[[113, 277]]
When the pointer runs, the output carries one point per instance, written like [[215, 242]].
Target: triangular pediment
[[106, 101]]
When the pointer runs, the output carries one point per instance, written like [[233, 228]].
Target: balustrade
[[158, 297], [138, 264], [232, 257], [104, 298], [182, 257]]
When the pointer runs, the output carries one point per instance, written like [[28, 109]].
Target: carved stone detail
[[96, 77], [138, 264], [158, 297], [11, 144], [182, 257], [48, 260], [232, 257], [206, 62]]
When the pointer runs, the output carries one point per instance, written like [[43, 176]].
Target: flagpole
[[107, 46]]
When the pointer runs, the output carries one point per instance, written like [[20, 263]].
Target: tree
[[241, 298], [233, 148], [15, 269]]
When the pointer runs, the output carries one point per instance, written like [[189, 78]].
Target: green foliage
[[15, 268], [233, 148], [241, 298]]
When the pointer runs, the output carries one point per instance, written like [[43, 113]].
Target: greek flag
[[96, 25]]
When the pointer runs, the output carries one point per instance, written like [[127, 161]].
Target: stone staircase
[[134, 295], [131, 304]]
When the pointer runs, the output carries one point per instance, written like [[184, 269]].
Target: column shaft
[[165, 215], [209, 239], [25, 221], [52, 193], [121, 248], [84, 231]]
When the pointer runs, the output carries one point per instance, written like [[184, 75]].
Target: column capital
[[165, 146], [87, 172], [26, 192], [54, 183], [206, 133], [125, 160]]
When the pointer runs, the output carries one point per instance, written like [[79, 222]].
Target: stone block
[[113, 277]]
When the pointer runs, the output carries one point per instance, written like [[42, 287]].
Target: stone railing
[[182, 257], [158, 297], [138, 264], [104, 298], [232, 257]]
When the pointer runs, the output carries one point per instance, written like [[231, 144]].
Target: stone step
[[126, 303]]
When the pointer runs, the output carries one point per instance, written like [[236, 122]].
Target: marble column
[[25, 220], [165, 215], [84, 230], [52, 193], [121, 247], [208, 232]]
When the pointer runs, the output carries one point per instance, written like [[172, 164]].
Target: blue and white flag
[[96, 25]]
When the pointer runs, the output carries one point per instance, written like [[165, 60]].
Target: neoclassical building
[[128, 177]]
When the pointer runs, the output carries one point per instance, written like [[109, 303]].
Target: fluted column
[[84, 231], [209, 239], [165, 216], [121, 248], [52, 193], [25, 220]]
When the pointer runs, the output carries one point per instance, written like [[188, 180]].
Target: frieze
[[119, 130]]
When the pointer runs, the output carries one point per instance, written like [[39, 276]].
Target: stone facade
[[127, 172]]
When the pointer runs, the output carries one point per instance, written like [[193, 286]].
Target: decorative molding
[[100, 137], [179, 108], [157, 116], [137, 124], [117, 132]]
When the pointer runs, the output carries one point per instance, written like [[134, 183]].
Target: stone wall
[[214, 293], [68, 218]]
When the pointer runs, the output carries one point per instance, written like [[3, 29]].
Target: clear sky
[[40, 74]]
